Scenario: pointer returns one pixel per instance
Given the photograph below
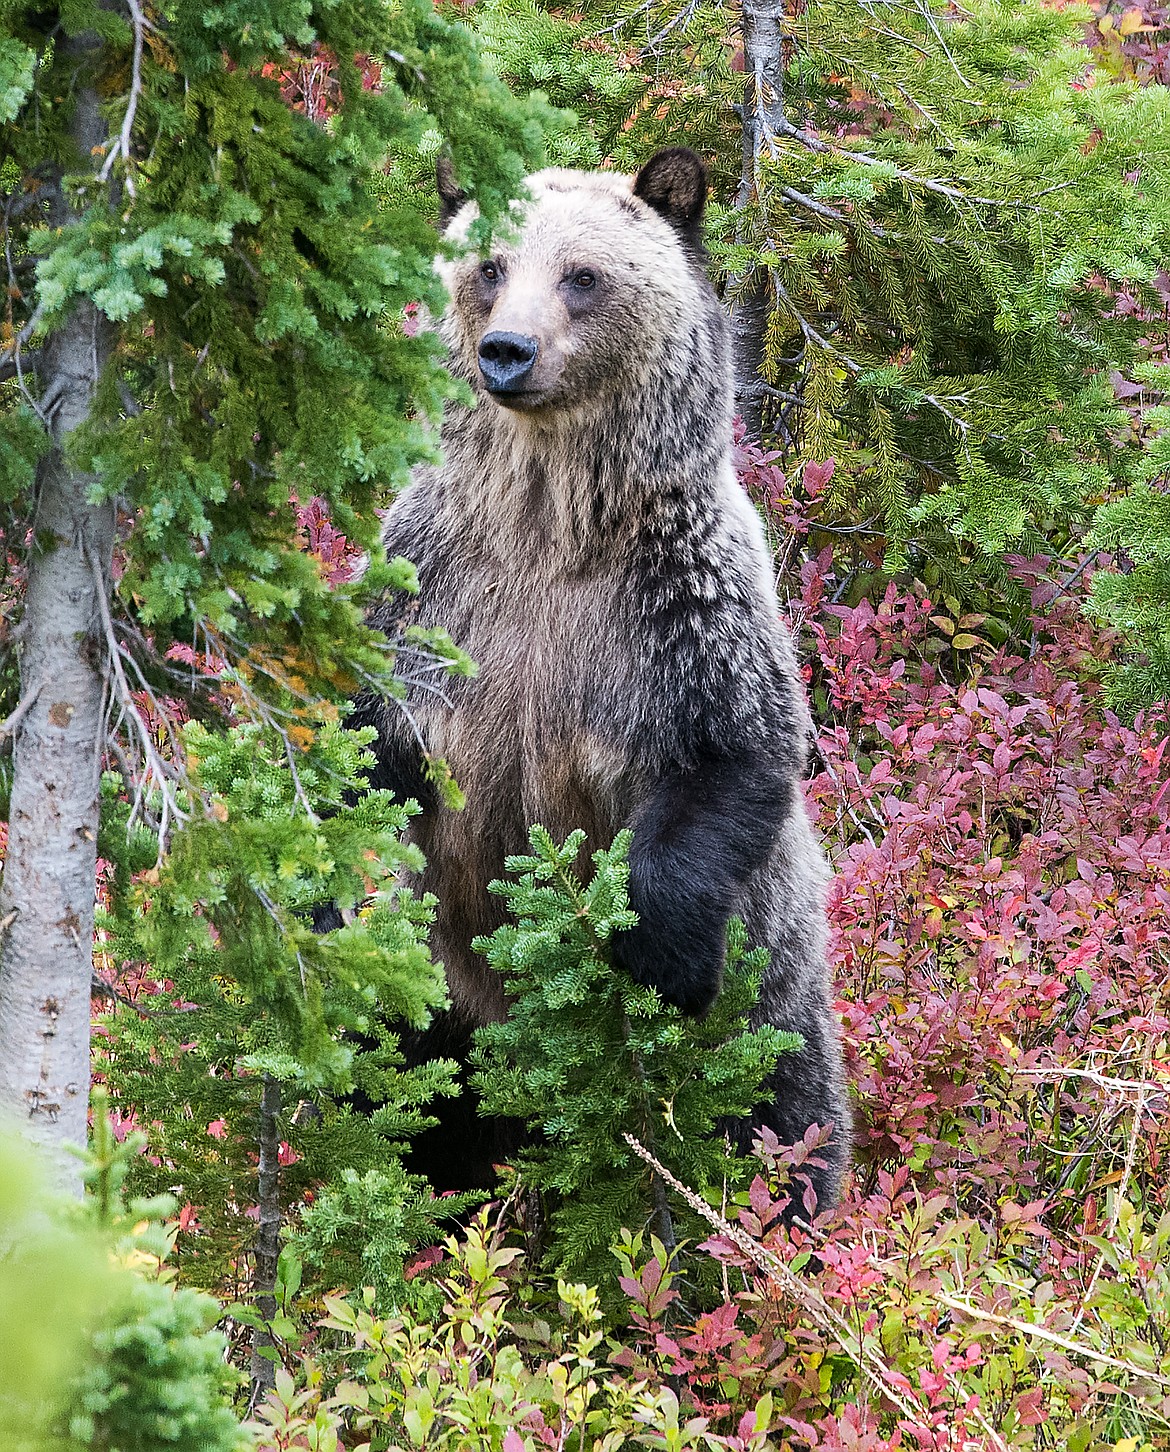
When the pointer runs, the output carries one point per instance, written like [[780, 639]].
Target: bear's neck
[[581, 483]]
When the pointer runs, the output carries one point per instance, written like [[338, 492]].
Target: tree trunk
[[267, 1238], [763, 109], [47, 892]]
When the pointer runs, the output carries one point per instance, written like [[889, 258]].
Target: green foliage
[[17, 64], [99, 1349], [1136, 600], [20, 444], [158, 1379], [587, 1056], [469, 1380], [240, 986], [59, 1271], [361, 1228], [258, 273]]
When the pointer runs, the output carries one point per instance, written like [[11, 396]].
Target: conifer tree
[[115, 1356], [203, 325], [587, 1057], [248, 1029]]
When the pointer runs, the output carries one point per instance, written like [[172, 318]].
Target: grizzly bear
[[585, 540]]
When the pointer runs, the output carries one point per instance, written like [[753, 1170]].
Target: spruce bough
[[587, 1056]]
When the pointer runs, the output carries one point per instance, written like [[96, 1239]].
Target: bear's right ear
[[674, 183], [451, 194]]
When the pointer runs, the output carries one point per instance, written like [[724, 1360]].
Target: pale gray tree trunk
[[47, 892], [763, 111]]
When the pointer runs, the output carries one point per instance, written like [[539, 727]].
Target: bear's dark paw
[[687, 977]]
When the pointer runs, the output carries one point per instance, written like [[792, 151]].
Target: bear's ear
[[451, 194], [674, 183]]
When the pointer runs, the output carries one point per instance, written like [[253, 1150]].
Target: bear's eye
[[489, 271], [584, 279]]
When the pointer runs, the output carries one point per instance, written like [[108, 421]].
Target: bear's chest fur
[[540, 734]]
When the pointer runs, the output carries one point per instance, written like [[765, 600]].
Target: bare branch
[[806, 1295], [131, 405], [121, 147], [1054, 1338], [154, 766], [684, 15], [101, 989], [12, 368], [783, 127]]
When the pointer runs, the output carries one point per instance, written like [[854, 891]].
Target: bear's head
[[595, 284]]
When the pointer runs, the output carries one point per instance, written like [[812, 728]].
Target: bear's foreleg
[[698, 839]]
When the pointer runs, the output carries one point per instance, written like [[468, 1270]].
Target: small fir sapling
[[156, 1375], [116, 1355], [262, 1025], [587, 1056]]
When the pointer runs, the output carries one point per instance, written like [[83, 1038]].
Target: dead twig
[[100, 989], [153, 764], [121, 147], [872, 1368], [1054, 1338]]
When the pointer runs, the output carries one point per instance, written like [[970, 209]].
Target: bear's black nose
[[505, 360]]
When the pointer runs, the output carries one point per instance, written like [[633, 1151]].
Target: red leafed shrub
[[999, 1273], [1001, 913], [309, 84], [337, 555]]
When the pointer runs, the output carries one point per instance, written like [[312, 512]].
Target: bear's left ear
[[674, 183], [451, 194]]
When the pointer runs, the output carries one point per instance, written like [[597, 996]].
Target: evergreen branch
[[852, 366], [623, 20], [784, 127], [811, 334], [842, 219], [576, 895], [651, 46], [298, 785], [932, 25]]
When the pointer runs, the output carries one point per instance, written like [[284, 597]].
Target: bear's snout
[[506, 360]]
